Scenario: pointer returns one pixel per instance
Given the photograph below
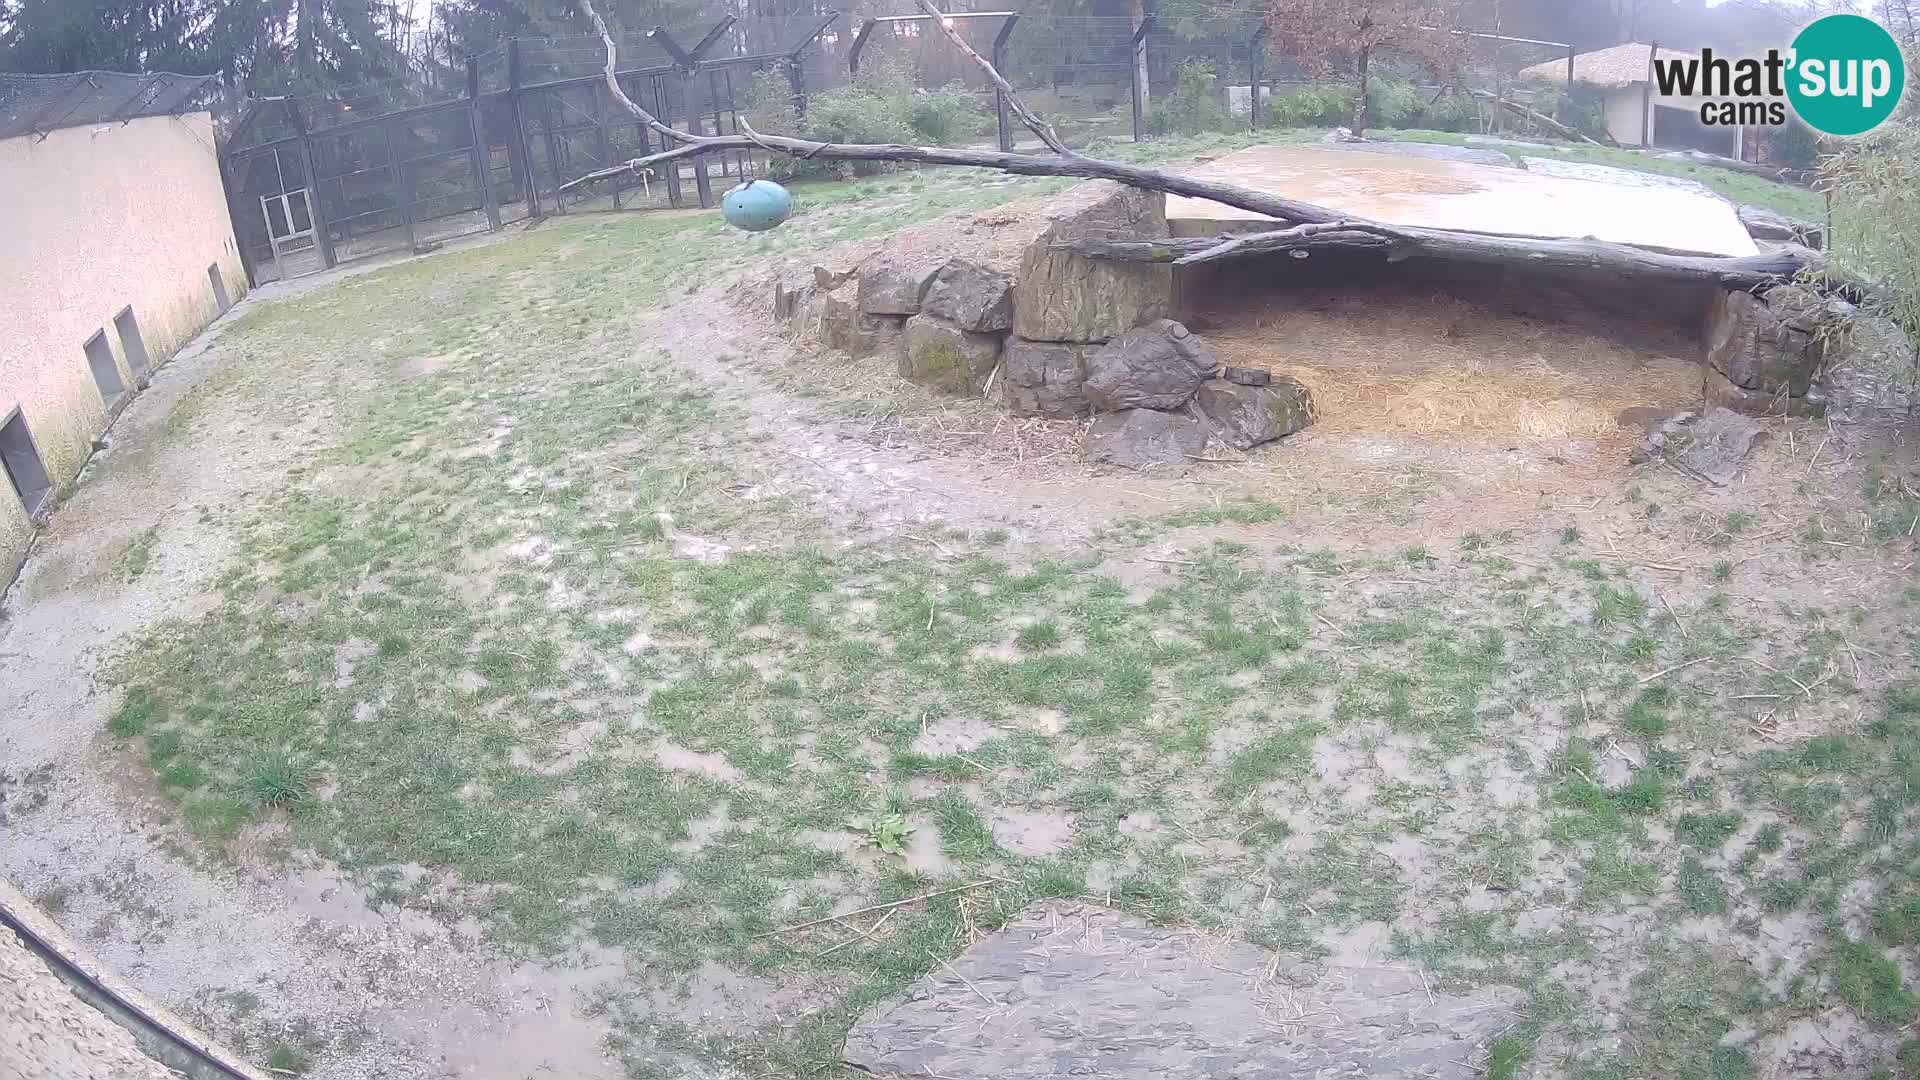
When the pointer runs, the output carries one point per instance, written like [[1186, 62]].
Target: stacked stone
[[1069, 337]]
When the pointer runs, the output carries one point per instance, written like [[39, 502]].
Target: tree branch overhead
[[1301, 226]]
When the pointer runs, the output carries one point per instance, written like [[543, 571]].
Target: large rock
[[1867, 373], [1060, 296], [1764, 224], [1246, 416], [971, 297], [1045, 378], [1081, 990], [1157, 366], [1767, 345], [1710, 445], [844, 326], [791, 291], [894, 286], [839, 312], [942, 355], [1142, 438]]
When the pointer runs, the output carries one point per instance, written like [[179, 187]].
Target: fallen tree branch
[[1403, 241], [1307, 226], [1542, 119]]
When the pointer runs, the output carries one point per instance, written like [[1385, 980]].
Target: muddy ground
[[472, 666]]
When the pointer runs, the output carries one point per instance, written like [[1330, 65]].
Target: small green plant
[[277, 778], [1570, 534], [888, 832], [1194, 106], [138, 556], [286, 1059], [1038, 636], [1722, 570]]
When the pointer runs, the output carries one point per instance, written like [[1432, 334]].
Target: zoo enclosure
[[403, 164]]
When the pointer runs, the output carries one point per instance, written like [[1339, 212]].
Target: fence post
[[1000, 96], [702, 185], [1566, 99], [1255, 46], [520, 143], [603, 146], [315, 210], [672, 167], [402, 182], [1136, 66], [797, 80], [481, 154]]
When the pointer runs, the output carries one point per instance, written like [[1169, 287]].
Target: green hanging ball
[[756, 205]]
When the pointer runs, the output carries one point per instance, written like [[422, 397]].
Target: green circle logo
[[1846, 74]]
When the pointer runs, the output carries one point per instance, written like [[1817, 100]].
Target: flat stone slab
[[1432, 151], [1080, 990], [1445, 194], [1612, 174]]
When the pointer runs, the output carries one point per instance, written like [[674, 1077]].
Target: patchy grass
[[474, 634]]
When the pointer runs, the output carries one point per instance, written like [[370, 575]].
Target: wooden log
[[1308, 226], [1542, 119]]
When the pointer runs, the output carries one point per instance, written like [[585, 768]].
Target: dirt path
[[269, 963]]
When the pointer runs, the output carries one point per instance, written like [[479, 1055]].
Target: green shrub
[[1193, 107], [948, 115], [1794, 145], [1875, 191], [881, 105], [1392, 101], [1451, 112], [1311, 106]]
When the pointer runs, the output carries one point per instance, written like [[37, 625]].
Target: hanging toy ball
[[756, 205]]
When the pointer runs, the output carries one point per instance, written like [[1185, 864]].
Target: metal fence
[[38, 104], [402, 164], [317, 180]]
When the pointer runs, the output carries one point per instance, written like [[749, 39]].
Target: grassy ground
[[532, 622]]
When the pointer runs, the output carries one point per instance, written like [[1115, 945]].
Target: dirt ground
[[473, 666]]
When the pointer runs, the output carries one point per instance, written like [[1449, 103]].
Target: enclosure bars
[[1254, 46], [1566, 99], [1136, 63], [1005, 129], [693, 63]]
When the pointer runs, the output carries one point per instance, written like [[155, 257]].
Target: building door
[[289, 226]]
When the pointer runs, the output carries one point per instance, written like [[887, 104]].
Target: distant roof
[[1622, 65], [38, 104]]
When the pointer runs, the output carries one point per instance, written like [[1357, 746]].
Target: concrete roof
[[1622, 65]]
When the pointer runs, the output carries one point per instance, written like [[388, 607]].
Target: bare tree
[[1348, 35]]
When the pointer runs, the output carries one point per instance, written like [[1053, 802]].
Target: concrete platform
[[1458, 195]]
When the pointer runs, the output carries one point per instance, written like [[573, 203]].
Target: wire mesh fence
[[37, 104], [401, 163]]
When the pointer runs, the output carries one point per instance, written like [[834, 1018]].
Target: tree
[[1349, 35], [48, 36]]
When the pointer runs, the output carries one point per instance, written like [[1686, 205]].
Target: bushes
[[881, 105], [1311, 106], [1794, 145], [1875, 186], [1392, 102], [1193, 107]]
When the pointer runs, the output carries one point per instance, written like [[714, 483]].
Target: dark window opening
[[106, 373], [21, 462], [131, 343], [219, 288]]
